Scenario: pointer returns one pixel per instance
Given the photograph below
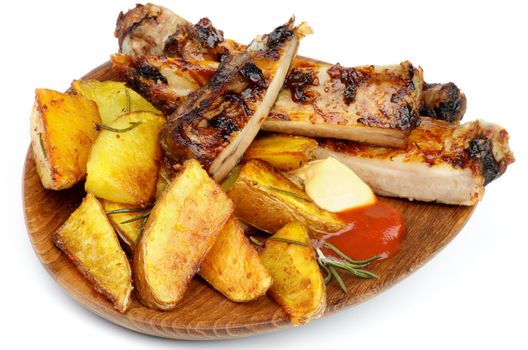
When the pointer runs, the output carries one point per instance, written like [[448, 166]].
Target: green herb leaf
[[289, 193], [167, 180], [124, 211], [328, 274], [290, 241], [338, 278], [109, 128], [342, 255], [231, 179], [128, 107], [135, 218]]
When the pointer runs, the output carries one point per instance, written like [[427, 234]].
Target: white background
[[473, 294]]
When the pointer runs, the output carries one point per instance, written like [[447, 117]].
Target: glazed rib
[[445, 163], [374, 104], [216, 123]]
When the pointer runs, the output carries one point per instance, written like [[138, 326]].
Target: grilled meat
[[154, 30], [445, 163], [441, 162], [443, 101], [164, 81], [216, 123], [374, 104]]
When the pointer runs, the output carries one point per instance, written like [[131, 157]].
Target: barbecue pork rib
[[374, 104], [217, 123], [445, 163]]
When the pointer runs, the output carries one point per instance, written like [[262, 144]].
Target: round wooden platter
[[205, 313]]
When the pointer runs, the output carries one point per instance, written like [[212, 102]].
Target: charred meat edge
[[460, 182], [440, 101], [229, 155]]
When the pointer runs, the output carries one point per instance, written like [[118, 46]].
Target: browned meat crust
[[204, 42], [216, 123], [443, 101], [479, 146], [164, 81], [318, 99], [375, 96]]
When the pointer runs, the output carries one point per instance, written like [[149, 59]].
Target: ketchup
[[373, 230]]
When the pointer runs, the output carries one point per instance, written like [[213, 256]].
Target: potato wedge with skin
[[298, 285], [127, 231], [283, 152], [89, 240], [233, 267], [267, 200], [62, 133], [123, 166], [181, 229], [112, 98]]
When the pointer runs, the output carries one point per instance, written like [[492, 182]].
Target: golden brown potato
[[267, 200], [123, 166], [298, 285], [181, 229], [233, 267], [112, 98], [283, 152], [62, 133], [89, 240], [127, 230]]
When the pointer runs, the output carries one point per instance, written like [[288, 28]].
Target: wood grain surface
[[205, 313]]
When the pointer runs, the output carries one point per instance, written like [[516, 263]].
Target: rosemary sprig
[[290, 241], [128, 106], [278, 239], [138, 217], [166, 179], [351, 266], [289, 193], [231, 179], [330, 264], [124, 211], [337, 277], [109, 128], [355, 262], [142, 225], [328, 276], [143, 217]]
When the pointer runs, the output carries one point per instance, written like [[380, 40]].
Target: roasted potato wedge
[[123, 166], [181, 229], [89, 240], [233, 267], [112, 98], [283, 152], [267, 200], [127, 228], [298, 285], [62, 133]]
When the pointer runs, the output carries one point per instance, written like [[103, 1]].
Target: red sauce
[[374, 230]]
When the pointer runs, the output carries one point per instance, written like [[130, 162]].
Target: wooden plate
[[204, 313]]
